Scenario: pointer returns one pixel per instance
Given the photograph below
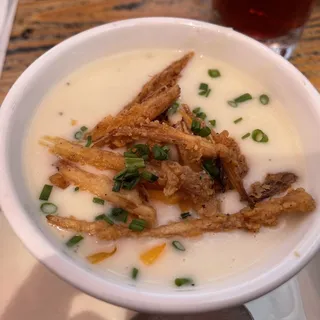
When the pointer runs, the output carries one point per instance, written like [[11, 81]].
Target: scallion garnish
[[119, 214], [247, 135], [140, 150], [104, 217], [45, 193], [98, 201], [134, 162], [48, 208], [173, 109], [76, 189], [137, 225], [196, 110], [185, 215], [195, 126], [89, 141], [211, 168], [178, 245], [134, 273], [117, 186], [149, 176], [83, 128], [183, 281], [264, 99], [244, 97], [129, 154], [259, 136], [160, 153], [198, 113], [74, 240], [213, 122], [78, 135], [214, 73], [204, 89], [237, 120], [126, 179], [204, 132], [129, 185]]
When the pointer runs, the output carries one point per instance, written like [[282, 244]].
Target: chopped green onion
[[213, 122], [160, 153], [173, 109], [83, 128], [259, 136], [211, 168], [134, 162], [232, 104], [78, 135], [264, 99], [183, 281], [214, 73], [140, 150], [104, 217], [204, 90], [201, 115], [73, 241], [237, 120], [207, 94], [76, 189], [137, 225], [185, 215], [129, 154], [117, 186], [98, 201], [203, 86], [149, 176], [89, 141], [204, 132], [244, 97], [195, 126], [178, 245], [129, 185], [48, 208], [134, 273], [247, 135], [45, 193], [196, 110], [119, 214]]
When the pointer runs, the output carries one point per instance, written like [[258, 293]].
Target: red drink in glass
[[264, 20]]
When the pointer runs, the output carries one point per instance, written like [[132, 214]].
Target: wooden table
[[41, 24]]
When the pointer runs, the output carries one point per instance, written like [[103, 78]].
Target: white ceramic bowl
[[278, 76]]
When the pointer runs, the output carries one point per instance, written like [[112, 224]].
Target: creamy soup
[[106, 85]]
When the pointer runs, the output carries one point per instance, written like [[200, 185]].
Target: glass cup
[[276, 23]]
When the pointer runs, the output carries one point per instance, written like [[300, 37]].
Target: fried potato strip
[[264, 214], [101, 186]]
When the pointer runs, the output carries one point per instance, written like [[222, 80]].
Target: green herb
[[160, 153], [119, 214], [89, 141], [178, 245], [78, 135], [264, 99], [117, 186], [204, 132], [185, 215], [137, 225], [196, 110], [134, 162], [73, 241], [126, 179], [247, 135], [129, 154], [83, 128], [98, 201], [134, 273], [45, 193], [140, 151], [198, 113], [213, 122], [149, 176], [211, 168], [237, 120], [76, 189], [259, 136], [214, 73], [48, 208], [204, 90], [195, 126], [183, 281], [173, 109], [104, 217], [244, 97]]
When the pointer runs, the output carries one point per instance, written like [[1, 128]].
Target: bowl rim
[[135, 298]]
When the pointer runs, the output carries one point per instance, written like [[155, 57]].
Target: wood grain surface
[[41, 24]]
